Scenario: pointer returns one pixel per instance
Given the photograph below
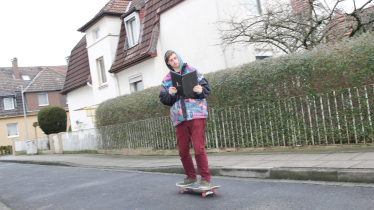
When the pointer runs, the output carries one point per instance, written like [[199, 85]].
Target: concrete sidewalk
[[348, 165]]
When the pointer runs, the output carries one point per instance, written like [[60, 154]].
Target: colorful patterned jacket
[[189, 107]]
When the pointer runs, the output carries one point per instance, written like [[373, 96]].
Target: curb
[[4, 207], [312, 174]]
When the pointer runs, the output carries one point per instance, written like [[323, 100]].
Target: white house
[[124, 45]]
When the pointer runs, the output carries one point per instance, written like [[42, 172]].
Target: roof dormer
[[132, 26]]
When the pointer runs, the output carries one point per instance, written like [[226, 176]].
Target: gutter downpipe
[[114, 75], [24, 112]]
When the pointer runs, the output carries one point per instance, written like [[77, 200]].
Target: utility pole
[[24, 113]]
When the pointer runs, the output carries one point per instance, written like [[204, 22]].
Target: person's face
[[173, 61]]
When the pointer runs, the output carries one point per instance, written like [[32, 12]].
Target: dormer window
[[25, 77], [132, 25], [8, 103]]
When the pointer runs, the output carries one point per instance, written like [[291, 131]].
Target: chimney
[[15, 68], [67, 60]]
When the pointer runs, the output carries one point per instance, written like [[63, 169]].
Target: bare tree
[[297, 25]]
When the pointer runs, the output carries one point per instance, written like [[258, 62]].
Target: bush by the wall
[[6, 150], [346, 64], [52, 119]]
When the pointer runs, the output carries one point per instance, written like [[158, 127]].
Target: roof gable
[[47, 80], [78, 69], [112, 8], [149, 13], [8, 85]]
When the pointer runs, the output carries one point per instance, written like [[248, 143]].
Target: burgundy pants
[[185, 131]]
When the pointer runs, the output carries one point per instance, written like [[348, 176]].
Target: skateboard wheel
[[182, 191], [204, 195], [214, 192]]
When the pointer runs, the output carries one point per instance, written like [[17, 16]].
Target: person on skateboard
[[188, 114]]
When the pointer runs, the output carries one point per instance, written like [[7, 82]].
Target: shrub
[[347, 64], [52, 119]]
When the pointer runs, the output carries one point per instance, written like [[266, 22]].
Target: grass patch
[[81, 152]]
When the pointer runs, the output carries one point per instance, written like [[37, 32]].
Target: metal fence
[[336, 117]]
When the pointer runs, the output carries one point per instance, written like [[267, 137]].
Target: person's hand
[[172, 90], [198, 89]]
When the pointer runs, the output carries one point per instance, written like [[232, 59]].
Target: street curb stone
[[313, 174], [4, 207]]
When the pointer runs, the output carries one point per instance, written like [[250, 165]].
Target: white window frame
[[47, 104], [250, 11], [12, 104], [133, 80], [132, 38], [101, 71], [17, 130]]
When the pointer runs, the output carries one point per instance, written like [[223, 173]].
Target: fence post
[[51, 145], [13, 147], [60, 142]]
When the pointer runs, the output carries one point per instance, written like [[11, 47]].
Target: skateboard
[[207, 191]]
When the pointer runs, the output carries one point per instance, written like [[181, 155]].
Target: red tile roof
[[78, 69], [47, 80], [149, 23], [112, 8], [59, 69]]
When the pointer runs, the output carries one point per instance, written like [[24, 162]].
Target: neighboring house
[[124, 45], [41, 86]]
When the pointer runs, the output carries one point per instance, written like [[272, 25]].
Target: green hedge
[[6, 150], [52, 119], [347, 64]]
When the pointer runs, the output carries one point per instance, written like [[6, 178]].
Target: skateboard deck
[[207, 191]]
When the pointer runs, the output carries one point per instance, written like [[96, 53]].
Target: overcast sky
[[42, 32]]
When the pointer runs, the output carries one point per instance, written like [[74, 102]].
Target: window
[[132, 26], [97, 34], [136, 83], [254, 7], [25, 77], [43, 99], [262, 54], [8, 103], [12, 129], [101, 67]]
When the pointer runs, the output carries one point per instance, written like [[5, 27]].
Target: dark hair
[[167, 56]]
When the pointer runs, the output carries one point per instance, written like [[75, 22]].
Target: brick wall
[[54, 99]]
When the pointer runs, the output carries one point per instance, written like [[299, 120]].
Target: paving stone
[[340, 156], [282, 157], [339, 164], [308, 157]]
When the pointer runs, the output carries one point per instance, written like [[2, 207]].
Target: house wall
[[54, 99], [4, 140], [105, 47], [146, 69], [198, 43], [78, 99]]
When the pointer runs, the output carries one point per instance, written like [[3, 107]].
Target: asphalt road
[[24, 186]]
